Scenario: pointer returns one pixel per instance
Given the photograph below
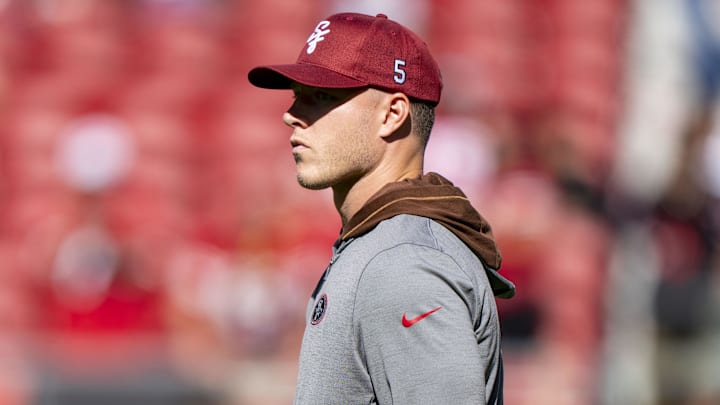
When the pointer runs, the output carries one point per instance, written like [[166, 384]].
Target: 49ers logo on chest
[[319, 311]]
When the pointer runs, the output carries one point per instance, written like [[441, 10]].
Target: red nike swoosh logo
[[410, 322]]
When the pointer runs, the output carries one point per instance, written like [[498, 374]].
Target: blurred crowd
[[155, 247]]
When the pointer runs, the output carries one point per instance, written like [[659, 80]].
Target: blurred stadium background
[[156, 249]]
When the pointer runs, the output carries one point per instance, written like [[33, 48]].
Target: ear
[[397, 112]]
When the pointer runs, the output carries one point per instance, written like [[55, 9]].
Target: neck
[[349, 199]]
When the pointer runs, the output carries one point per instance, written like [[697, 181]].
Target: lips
[[297, 144]]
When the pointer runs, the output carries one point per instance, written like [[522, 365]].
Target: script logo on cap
[[317, 36]]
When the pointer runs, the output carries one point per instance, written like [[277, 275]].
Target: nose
[[292, 120]]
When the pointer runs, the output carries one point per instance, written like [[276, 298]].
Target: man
[[405, 312]]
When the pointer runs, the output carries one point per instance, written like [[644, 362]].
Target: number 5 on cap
[[399, 76]]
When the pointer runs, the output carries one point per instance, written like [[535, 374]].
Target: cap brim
[[281, 76]]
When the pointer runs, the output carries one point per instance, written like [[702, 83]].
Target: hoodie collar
[[432, 196]]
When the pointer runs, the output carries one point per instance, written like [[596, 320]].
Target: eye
[[314, 95], [323, 96]]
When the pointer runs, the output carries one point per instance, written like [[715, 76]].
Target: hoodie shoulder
[[418, 230], [403, 229]]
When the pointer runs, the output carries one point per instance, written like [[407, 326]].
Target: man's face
[[333, 135]]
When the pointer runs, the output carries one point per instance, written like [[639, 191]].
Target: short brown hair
[[422, 116]]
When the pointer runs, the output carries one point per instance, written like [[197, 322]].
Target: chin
[[310, 184]]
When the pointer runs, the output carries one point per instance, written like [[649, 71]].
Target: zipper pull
[[322, 280]]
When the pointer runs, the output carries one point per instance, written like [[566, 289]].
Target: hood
[[432, 196]]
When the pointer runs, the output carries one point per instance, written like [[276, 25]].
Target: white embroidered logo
[[317, 36]]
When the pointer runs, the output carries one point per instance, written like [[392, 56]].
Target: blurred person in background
[[405, 312], [663, 315], [685, 227]]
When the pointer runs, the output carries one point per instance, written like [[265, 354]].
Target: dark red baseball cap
[[351, 50]]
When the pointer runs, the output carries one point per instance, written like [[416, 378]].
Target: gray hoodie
[[405, 312]]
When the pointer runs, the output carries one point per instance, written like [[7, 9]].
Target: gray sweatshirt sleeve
[[419, 319]]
